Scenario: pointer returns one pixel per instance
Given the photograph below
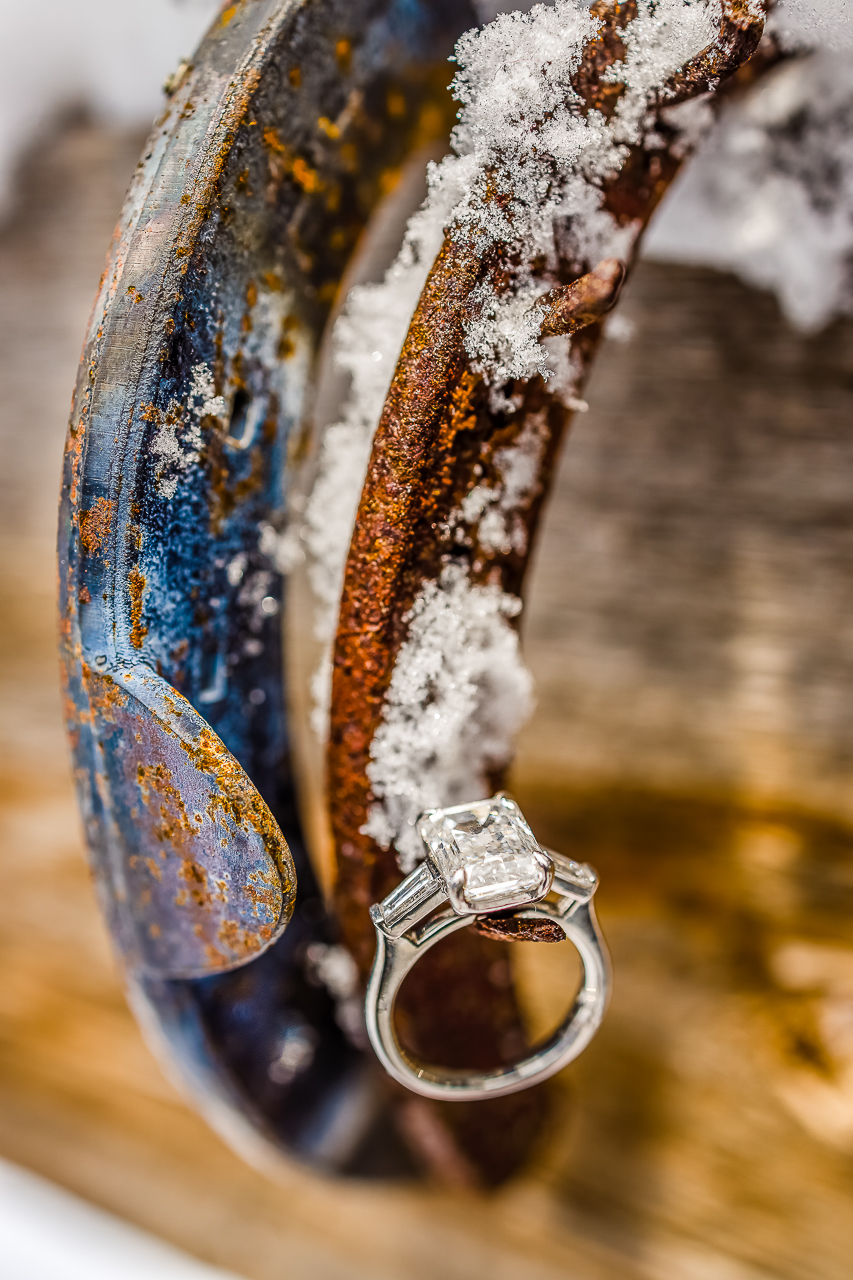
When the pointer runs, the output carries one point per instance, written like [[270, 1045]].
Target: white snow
[[458, 696], [496, 510]]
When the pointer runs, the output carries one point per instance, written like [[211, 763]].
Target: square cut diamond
[[487, 855]]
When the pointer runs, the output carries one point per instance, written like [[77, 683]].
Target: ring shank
[[396, 956]]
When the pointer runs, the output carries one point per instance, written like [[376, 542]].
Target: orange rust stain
[[228, 14], [195, 878], [238, 798], [206, 190], [74, 449], [136, 587], [263, 890], [273, 141], [154, 869], [343, 54], [273, 281], [171, 700], [395, 103], [239, 940], [308, 178], [171, 823], [95, 525], [327, 126], [104, 694], [154, 930], [294, 75]]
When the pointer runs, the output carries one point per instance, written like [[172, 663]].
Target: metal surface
[[438, 437], [256, 183]]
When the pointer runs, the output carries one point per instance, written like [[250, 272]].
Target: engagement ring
[[481, 859]]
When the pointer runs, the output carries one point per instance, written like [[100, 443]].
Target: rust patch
[[195, 878], [262, 889], [136, 587], [95, 526], [512, 929], [165, 802], [105, 695], [239, 941], [238, 799], [343, 54]]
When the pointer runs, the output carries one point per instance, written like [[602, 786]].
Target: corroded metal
[[272, 151], [203, 879], [437, 427], [438, 437]]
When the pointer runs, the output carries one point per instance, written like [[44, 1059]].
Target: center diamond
[[487, 855]]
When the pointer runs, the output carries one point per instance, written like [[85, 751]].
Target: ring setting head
[[486, 855]]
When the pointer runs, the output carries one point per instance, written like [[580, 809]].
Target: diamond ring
[[483, 858]]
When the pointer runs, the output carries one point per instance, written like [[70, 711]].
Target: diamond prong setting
[[486, 855]]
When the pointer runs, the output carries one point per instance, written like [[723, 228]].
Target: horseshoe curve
[[273, 149]]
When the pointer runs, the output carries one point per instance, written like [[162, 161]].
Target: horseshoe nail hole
[[245, 412]]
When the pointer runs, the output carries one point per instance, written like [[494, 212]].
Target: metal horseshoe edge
[[274, 148]]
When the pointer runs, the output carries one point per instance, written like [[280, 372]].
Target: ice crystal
[[496, 510], [521, 136], [202, 397], [177, 441], [458, 696]]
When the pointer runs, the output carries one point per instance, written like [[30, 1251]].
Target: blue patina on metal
[[253, 190]]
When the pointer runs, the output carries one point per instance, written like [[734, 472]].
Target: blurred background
[[690, 629]]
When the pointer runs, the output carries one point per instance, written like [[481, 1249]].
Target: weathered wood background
[[691, 632]]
